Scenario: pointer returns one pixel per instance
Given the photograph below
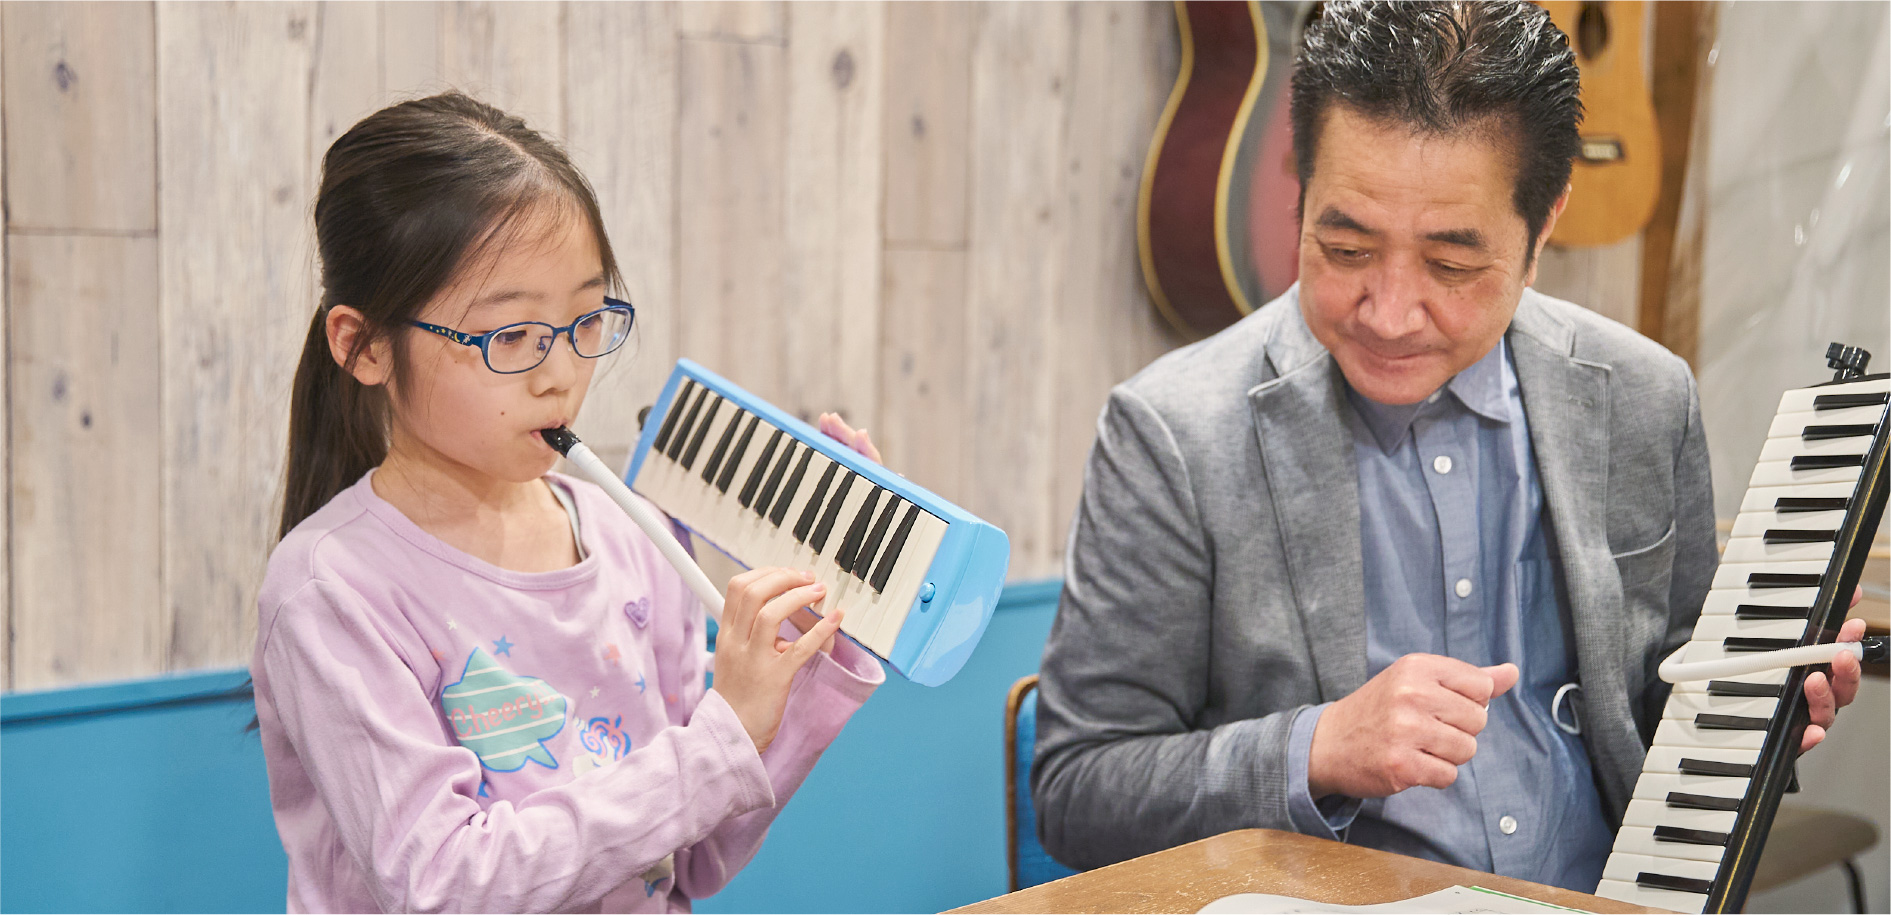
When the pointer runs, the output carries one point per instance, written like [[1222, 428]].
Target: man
[[1394, 558]]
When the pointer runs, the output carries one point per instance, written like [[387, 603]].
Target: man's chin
[[1393, 382]]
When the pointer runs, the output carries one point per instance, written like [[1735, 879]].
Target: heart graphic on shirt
[[502, 717], [639, 611]]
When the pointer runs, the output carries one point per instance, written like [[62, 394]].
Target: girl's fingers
[[810, 642], [755, 595], [776, 611]]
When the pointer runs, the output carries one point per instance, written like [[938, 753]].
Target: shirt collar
[[1479, 388]]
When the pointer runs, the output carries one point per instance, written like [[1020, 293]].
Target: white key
[[1671, 900], [1667, 760], [1801, 399], [1684, 706], [1672, 733], [1734, 574], [1763, 498], [1775, 677], [1658, 813], [1754, 549], [1628, 867], [1784, 449], [1723, 627], [1780, 473], [1793, 424], [1725, 601], [1640, 840], [1757, 523], [1656, 786], [909, 576]]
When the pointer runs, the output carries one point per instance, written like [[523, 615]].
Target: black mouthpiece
[[561, 439], [1875, 650]]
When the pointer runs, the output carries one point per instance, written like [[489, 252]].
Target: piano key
[[677, 444], [1731, 723], [1644, 812], [805, 525], [793, 488], [1685, 801], [1630, 868], [1787, 505], [714, 464], [870, 550], [1690, 765], [671, 415], [1783, 473], [892, 554], [1793, 425], [1848, 430], [1792, 449], [766, 497], [1768, 575], [1708, 762], [1685, 706], [702, 429], [1640, 840], [1685, 836], [1657, 786], [1736, 688], [1808, 462], [1648, 897], [801, 499], [1771, 612], [760, 469], [1728, 601], [1842, 401], [735, 458], [1719, 627], [1672, 733], [1756, 524], [857, 530], [908, 576], [1774, 678], [825, 528], [1806, 398], [1765, 498], [1756, 549], [1752, 644]]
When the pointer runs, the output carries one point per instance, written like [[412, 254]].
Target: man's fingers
[[1428, 771], [1503, 677], [1846, 672], [1479, 684], [1814, 734], [1858, 594], [1461, 713], [1819, 701]]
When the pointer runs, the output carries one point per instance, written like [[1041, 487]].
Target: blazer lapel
[[1306, 452]]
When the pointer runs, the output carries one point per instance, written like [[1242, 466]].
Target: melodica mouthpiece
[[561, 439]]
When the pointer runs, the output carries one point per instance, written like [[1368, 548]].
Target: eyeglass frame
[[569, 331]]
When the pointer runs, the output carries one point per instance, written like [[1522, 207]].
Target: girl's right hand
[[753, 666]]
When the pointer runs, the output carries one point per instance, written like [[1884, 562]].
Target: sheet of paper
[[1459, 899]]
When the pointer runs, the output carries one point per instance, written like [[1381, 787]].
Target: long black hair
[[409, 195]]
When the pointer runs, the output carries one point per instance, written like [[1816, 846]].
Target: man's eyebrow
[[1331, 218], [1463, 238]]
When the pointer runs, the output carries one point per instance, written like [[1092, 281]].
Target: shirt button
[[1441, 463], [1435, 395], [1464, 590], [1507, 825]]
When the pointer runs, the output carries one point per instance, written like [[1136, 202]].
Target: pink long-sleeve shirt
[[445, 734]]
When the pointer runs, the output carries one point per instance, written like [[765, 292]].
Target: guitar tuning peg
[[1847, 362]]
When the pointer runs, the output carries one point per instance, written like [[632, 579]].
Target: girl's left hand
[[837, 429]]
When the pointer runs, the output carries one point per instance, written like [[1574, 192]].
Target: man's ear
[[1543, 237], [346, 327]]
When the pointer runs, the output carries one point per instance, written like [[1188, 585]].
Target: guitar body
[[1616, 180], [1188, 259]]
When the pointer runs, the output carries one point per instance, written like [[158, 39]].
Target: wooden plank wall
[[920, 214]]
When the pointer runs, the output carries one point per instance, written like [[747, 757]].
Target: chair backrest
[[1028, 862]]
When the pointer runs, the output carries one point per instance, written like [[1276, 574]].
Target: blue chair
[[1028, 862]]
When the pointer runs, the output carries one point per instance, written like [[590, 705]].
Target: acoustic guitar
[[1616, 178]]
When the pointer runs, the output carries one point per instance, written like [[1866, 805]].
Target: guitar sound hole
[[1592, 30]]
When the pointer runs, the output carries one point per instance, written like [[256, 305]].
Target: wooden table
[[1185, 878]]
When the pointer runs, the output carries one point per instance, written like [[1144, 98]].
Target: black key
[[1840, 401], [1710, 767], [1814, 504], [833, 510], [1769, 612], [1702, 801], [813, 509], [857, 531], [722, 448], [1852, 430], [1678, 884], [1730, 722], [871, 548], [702, 429], [735, 459], [1744, 643], [675, 410], [1736, 688], [1788, 535], [682, 432], [1782, 580], [761, 469], [1689, 836], [794, 486], [1827, 461], [892, 555], [766, 497]]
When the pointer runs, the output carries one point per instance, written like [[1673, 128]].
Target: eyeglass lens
[[521, 347]]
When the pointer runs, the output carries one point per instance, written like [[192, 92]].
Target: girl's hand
[[837, 429], [753, 666]]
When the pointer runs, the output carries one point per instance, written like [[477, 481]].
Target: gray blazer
[[1213, 581]]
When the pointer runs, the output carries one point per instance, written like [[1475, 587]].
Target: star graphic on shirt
[[610, 652], [594, 692], [502, 647], [452, 625], [439, 655], [639, 684]]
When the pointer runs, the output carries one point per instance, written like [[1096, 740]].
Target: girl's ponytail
[[408, 195]]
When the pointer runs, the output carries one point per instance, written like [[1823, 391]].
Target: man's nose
[[1394, 301]]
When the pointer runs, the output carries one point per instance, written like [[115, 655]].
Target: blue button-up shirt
[[1459, 562]]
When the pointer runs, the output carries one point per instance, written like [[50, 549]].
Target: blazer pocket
[[1646, 574]]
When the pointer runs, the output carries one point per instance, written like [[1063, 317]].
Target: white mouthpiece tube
[[1674, 670], [660, 532]]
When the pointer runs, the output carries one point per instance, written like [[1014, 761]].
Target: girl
[[480, 688]]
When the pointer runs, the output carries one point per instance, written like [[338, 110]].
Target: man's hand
[[1824, 697], [1413, 724]]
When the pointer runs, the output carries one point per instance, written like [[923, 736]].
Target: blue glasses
[[520, 347]]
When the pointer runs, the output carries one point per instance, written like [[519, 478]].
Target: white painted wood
[[928, 123], [508, 54], [755, 21]]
